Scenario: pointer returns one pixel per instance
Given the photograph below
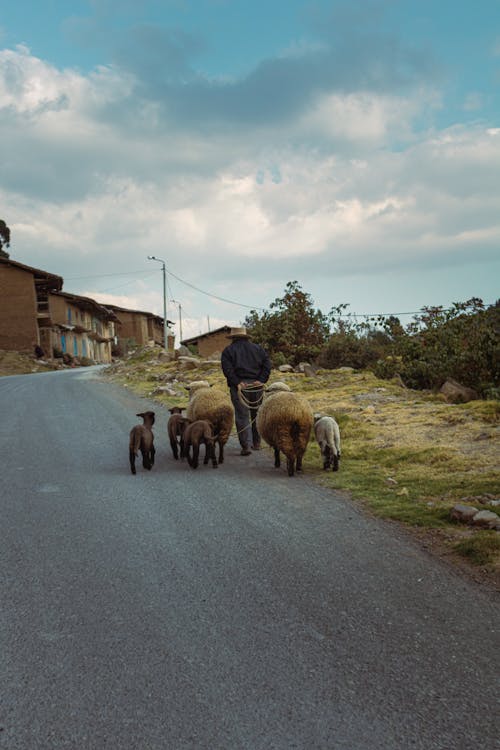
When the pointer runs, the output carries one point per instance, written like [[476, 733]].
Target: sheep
[[141, 438], [327, 434], [175, 427], [196, 433], [285, 420], [213, 405]]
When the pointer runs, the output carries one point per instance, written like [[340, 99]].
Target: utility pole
[[165, 325], [180, 318]]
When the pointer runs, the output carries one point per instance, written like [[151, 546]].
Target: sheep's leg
[[181, 446], [326, 457], [196, 452], [221, 451], [173, 445], [152, 456], [290, 466], [335, 466], [298, 463], [145, 459], [132, 461], [213, 456], [277, 458], [207, 454]]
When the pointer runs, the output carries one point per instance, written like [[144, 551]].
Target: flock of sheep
[[284, 421]]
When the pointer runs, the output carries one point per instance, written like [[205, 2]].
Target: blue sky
[[353, 147]]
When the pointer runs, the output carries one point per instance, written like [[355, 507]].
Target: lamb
[[196, 433], [175, 427], [285, 420], [327, 433], [142, 438], [214, 406]]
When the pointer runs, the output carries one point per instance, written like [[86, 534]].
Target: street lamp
[[165, 326]]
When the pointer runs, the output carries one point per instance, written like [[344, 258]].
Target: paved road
[[220, 609]]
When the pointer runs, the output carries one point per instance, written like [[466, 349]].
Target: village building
[[210, 343], [35, 312], [80, 327], [137, 328], [24, 306]]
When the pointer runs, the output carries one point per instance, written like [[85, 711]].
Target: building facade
[[210, 343], [24, 305], [137, 328]]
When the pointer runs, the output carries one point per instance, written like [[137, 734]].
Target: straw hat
[[238, 333]]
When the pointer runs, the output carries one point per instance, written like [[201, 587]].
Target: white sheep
[[285, 420], [327, 433]]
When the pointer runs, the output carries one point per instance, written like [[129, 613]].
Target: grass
[[406, 455]]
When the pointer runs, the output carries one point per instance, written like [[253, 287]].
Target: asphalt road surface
[[218, 608]]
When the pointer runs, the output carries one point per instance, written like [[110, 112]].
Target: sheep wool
[[214, 406], [285, 420]]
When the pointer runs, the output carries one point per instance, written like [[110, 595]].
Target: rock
[[188, 363], [391, 482], [182, 351], [345, 369], [486, 519], [285, 368], [306, 368], [403, 492], [463, 513], [456, 393], [164, 356]]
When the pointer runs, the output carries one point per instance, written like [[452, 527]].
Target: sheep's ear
[[140, 415]]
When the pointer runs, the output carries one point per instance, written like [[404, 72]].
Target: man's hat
[[238, 333]]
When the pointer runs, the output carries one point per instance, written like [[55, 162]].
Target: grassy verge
[[406, 455]]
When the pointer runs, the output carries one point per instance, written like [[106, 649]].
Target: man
[[247, 367]]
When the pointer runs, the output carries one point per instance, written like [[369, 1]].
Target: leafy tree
[[4, 239], [292, 330]]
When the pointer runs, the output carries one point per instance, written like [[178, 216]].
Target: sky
[[351, 147]]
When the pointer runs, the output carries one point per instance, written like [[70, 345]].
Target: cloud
[[321, 176]]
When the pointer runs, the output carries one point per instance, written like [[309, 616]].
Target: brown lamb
[[142, 439], [196, 434], [175, 427]]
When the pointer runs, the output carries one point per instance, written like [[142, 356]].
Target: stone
[[486, 519], [182, 351], [306, 368], [188, 363], [463, 513], [285, 368], [164, 356], [456, 393]]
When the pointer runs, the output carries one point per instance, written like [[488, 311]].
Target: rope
[[250, 404], [250, 387]]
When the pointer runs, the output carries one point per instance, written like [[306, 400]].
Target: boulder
[[486, 519], [285, 368], [182, 351], [188, 363], [456, 393], [463, 513]]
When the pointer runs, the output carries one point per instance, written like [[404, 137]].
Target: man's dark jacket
[[245, 361]]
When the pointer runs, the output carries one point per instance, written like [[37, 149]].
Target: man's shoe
[[245, 452]]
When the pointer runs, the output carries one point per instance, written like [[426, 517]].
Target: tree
[[292, 330], [4, 239]]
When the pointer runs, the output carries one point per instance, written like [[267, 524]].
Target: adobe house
[[139, 328], [80, 326], [24, 306], [210, 343]]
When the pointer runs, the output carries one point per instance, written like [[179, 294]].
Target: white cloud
[[349, 185]]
